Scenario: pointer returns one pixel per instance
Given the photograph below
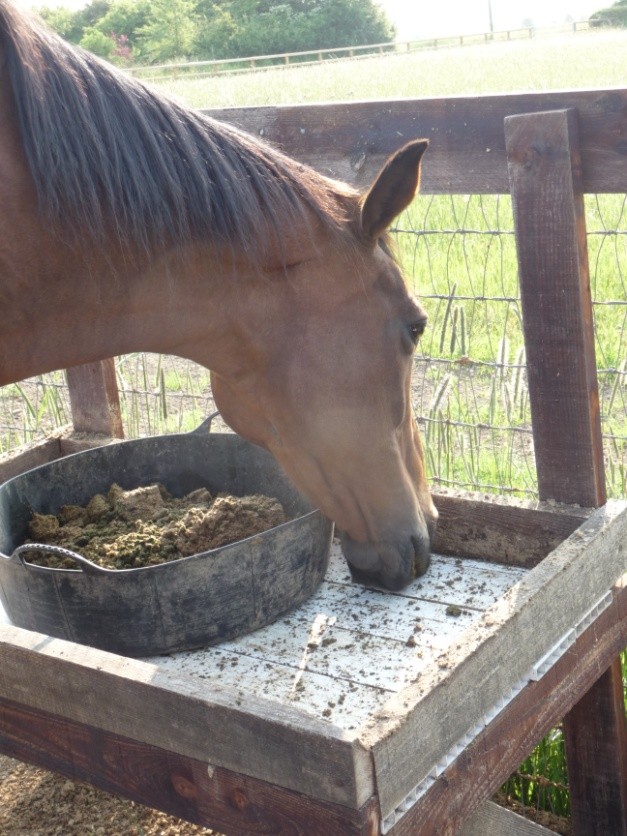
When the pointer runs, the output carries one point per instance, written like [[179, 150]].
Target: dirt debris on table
[[126, 529]]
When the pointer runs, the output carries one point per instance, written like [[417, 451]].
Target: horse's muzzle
[[392, 565]]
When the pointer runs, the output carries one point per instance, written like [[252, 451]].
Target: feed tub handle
[[205, 427], [85, 565]]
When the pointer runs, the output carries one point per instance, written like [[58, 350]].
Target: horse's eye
[[416, 329]]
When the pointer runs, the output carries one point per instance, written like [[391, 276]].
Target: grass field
[[588, 59]]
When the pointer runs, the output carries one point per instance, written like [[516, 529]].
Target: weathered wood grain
[[489, 759], [337, 657], [60, 443], [545, 174], [184, 715], [545, 167], [595, 734], [511, 531], [29, 456], [94, 399], [409, 734], [191, 789], [342, 653], [236, 804], [351, 140]]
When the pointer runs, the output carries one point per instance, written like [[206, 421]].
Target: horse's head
[[321, 376]]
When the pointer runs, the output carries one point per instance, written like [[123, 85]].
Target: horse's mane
[[107, 153]]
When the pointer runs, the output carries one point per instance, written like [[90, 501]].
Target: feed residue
[[146, 526]]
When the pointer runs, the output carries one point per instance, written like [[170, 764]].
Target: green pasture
[[588, 59]]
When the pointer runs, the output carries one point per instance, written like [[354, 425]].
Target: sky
[[425, 19]]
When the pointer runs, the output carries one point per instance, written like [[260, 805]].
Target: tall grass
[[470, 384]]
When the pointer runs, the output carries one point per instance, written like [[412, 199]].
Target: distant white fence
[[198, 69]]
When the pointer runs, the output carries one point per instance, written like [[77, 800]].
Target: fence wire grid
[[469, 387]]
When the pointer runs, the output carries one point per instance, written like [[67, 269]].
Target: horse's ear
[[393, 190]]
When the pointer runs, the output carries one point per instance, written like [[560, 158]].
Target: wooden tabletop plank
[[184, 715], [340, 654], [463, 685]]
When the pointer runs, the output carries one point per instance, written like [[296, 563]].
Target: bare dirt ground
[[34, 802]]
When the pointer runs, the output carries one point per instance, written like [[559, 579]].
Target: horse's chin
[[391, 565]]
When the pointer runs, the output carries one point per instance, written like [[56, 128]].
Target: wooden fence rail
[[252, 63]]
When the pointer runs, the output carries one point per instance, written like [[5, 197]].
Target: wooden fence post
[[94, 399], [544, 167]]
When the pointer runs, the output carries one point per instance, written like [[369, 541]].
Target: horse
[[131, 223]]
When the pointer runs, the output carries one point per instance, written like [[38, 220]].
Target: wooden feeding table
[[361, 711]]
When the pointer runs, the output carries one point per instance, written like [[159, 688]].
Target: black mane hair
[[107, 153]]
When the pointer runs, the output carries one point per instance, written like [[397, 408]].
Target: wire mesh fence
[[469, 385], [470, 390]]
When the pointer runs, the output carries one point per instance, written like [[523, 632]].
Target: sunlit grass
[[585, 60]]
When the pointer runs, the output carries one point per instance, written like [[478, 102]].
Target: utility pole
[[490, 17]]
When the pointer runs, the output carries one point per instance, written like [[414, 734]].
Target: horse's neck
[[60, 310]]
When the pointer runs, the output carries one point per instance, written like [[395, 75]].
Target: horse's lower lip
[[422, 555], [392, 565]]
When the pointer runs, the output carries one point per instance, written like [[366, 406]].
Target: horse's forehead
[[388, 275]]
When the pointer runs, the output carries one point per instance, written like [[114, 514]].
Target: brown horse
[[129, 223]]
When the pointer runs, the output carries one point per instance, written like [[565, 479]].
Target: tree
[[170, 32], [63, 21], [216, 30], [264, 27], [97, 42], [123, 22], [615, 15]]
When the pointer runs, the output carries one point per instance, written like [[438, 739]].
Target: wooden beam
[[58, 444], [351, 140], [492, 820], [95, 400], [545, 175], [545, 170], [505, 530], [29, 456], [181, 786], [604, 741], [208, 722], [486, 762]]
